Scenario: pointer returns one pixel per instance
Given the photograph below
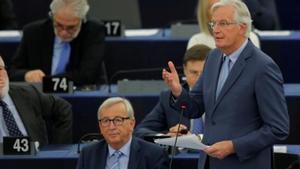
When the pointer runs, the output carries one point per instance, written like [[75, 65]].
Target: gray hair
[[242, 14], [80, 7], [115, 100]]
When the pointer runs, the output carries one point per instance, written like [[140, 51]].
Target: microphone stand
[[183, 108]]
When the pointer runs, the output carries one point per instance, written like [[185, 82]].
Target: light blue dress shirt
[[235, 55], [58, 47], [124, 159]]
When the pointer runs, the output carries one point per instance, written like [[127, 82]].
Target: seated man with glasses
[[119, 149], [64, 44]]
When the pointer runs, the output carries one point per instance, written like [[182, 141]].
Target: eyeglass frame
[[114, 121], [221, 24], [69, 29]]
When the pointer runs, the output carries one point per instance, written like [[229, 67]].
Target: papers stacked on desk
[[191, 141]]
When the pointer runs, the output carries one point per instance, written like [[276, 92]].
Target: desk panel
[[131, 53], [66, 156]]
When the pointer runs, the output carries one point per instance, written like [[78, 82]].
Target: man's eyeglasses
[[221, 24], [117, 121], [69, 29]]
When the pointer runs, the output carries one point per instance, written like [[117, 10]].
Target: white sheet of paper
[[186, 141]]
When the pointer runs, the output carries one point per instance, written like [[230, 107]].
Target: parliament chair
[[285, 161]]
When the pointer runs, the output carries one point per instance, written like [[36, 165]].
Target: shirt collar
[[7, 99], [58, 40], [235, 55]]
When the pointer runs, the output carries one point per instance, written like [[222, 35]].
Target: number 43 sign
[[16, 146]]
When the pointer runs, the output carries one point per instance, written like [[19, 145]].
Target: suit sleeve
[[154, 122], [273, 112], [193, 101], [160, 160], [58, 115]]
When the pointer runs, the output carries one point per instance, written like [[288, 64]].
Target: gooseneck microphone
[[182, 108]]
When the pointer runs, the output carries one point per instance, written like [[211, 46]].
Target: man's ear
[[243, 28]]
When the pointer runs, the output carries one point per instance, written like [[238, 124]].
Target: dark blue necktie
[[223, 74], [10, 121], [63, 58]]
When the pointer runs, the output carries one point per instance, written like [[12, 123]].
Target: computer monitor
[[127, 11]]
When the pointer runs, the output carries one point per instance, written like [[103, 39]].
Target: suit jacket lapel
[[215, 75], [102, 155], [212, 80], [25, 113], [234, 74], [135, 157]]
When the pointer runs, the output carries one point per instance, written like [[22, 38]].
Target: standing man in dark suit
[[163, 119], [119, 149], [44, 118], [241, 93], [64, 44]]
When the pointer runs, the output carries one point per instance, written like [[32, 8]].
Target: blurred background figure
[[24, 111], [64, 44], [7, 16], [163, 118], [205, 36], [264, 14], [116, 123]]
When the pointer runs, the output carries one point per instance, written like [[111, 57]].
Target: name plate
[[55, 84], [112, 27], [16, 146]]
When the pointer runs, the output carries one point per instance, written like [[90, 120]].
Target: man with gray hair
[[119, 149], [241, 93], [65, 44]]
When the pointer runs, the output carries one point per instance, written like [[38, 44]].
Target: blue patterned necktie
[[223, 74], [10, 121], [197, 126], [63, 58], [114, 160]]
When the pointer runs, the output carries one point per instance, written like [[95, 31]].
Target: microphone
[[183, 107], [89, 137], [136, 72]]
